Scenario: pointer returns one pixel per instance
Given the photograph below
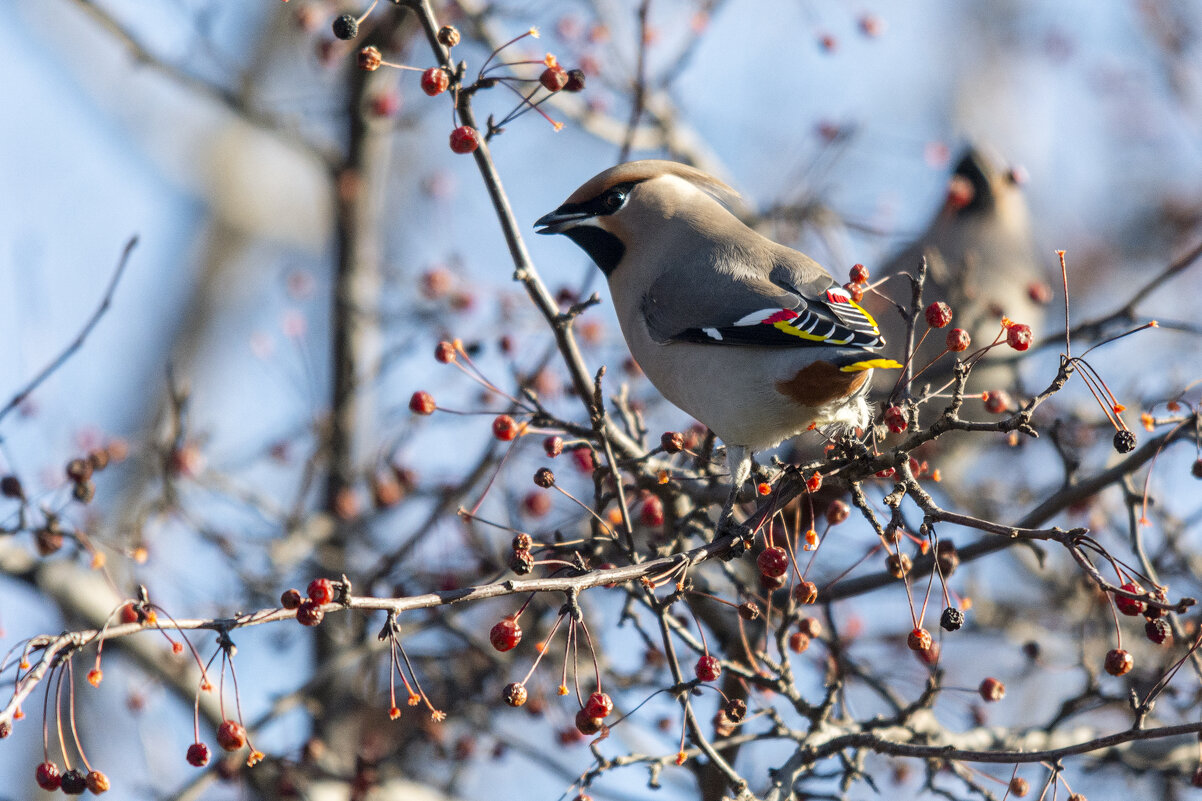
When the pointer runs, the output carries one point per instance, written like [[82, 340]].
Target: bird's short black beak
[[559, 220]]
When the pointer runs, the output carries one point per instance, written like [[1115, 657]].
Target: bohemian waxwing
[[981, 260], [751, 338]]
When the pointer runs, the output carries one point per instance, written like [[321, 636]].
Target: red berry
[[130, 614], [444, 352], [464, 139], [48, 777], [895, 419], [837, 512], [536, 504], [587, 725], [554, 78], [708, 668], [773, 562], [996, 401], [1018, 336], [672, 441], [1019, 786], [230, 735], [859, 274], [505, 428], [198, 755], [938, 314], [1157, 631], [1128, 606], [385, 104], [599, 705], [814, 482], [435, 81], [321, 591], [1039, 292], [958, 340], [919, 640], [309, 613], [652, 513], [798, 642], [992, 690], [422, 403], [583, 459], [1118, 662], [553, 446], [505, 635], [855, 291]]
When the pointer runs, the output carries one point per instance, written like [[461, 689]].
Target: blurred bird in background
[[754, 339], [981, 260]]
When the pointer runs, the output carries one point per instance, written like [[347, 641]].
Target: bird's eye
[[614, 199]]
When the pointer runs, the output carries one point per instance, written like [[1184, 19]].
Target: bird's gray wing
[[786, 300]]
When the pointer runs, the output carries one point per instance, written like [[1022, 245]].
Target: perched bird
[[751, 338], [981, 260]]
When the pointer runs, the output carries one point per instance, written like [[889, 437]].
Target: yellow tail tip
[[870, 364]]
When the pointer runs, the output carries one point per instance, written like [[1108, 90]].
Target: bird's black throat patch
[[602, 247]]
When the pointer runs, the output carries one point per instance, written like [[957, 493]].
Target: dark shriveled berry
[[544, 478], [1157, 631], [448, 36], [346, 26], [290, 599], [951, 619], [587, 725], [514, 694], [736, 709], [575, 81], [310, 613], [73, 783], [521, 562], [1124, 441]]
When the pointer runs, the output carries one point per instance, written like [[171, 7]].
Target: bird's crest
[[638, 171]]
